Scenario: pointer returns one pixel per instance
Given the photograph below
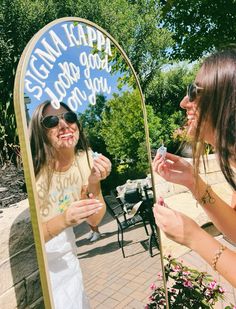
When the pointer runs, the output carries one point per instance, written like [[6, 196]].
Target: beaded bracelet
[[217, 256], [49, 232]]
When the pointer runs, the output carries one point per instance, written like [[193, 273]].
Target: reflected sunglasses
[[52, 121], [193, 91]]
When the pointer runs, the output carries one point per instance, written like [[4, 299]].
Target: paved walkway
[[112, 281]]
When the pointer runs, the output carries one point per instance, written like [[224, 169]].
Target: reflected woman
[[69, 192]]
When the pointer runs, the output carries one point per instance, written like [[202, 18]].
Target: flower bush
[[180, 135], [182, 139], [187, 288]]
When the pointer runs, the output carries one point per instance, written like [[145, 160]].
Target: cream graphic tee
[[57, 190]]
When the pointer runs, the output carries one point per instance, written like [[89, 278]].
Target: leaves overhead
[[199, 26]]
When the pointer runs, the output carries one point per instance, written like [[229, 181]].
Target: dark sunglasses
[[193, 91], [53, 120]]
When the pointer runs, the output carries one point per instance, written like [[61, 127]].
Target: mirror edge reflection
[[27, 156]]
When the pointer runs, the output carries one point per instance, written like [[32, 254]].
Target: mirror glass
[[76, 62]]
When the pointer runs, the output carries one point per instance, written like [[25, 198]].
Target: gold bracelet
[[207, 198], [217, 256], [49, 232]]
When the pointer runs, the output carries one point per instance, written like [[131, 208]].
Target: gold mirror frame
[[21, 118]]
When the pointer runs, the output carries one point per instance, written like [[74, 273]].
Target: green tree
[[18, 23], [123, 129], [169, 86], [199, 26], [91, 121], [134, 24]]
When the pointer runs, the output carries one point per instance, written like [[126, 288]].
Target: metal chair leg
[[150, 244], [122, 248], [122, 240], [145, 226], [118, 234]]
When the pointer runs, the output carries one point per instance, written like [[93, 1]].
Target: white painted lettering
[[108, 47], [28, 73], [70, 35], [81, 35], [38, 89], [91, 36], [75, 99], [54, 100]]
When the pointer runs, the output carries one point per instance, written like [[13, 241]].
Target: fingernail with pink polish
[[161, 201]]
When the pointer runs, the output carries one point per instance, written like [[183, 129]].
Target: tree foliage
[[123, 129], [19, 21], [91, 121], [134, 24], [115, 128], [199, 26]]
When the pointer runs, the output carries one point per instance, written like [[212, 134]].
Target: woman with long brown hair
[[210, 105], [69, 192]]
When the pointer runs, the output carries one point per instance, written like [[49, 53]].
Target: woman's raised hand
[[100, 170], [174, 169], [79, 211], [176, 225]]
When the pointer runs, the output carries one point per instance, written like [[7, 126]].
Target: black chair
[[147, 214], [131, 197], [115, 209]]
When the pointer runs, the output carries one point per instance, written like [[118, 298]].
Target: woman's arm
[[208, 247], [233, 201], [177, 170], [185, 231], [75, 214], [221, 214]]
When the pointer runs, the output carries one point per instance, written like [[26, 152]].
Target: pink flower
[[186, 273], [207, 293], [159, 276], [177, 268], [188, 284], [162, 302], [153, 286], [222, 290], [212, 285]]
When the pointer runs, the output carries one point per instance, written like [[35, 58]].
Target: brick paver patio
[[112, 281]]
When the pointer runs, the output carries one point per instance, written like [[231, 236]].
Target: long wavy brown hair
[[41, 148], [217, 108]]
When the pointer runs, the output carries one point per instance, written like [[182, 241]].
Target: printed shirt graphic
[[57, 191]]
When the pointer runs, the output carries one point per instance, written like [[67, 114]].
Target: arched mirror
[[93, 102]]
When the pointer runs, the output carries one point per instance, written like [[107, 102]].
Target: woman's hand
[[81, 210], [176, 225], [174, 169], [101, 169]]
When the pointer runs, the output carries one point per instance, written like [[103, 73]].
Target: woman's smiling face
[[192, 116], [65, 135]]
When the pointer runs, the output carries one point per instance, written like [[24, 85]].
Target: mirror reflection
[[90, 154]]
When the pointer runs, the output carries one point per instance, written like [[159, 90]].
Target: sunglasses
[[53, 120], [193, 91]]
